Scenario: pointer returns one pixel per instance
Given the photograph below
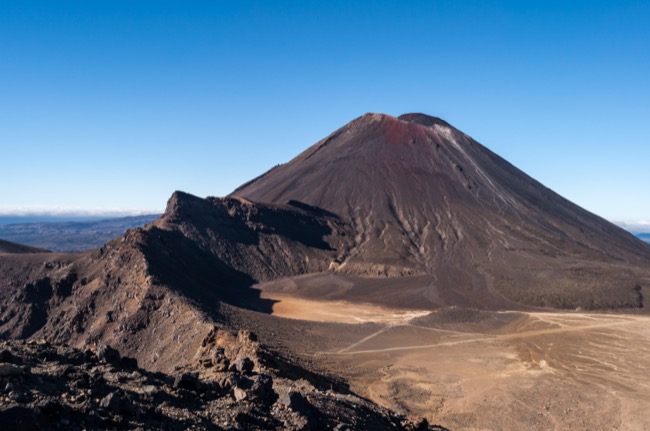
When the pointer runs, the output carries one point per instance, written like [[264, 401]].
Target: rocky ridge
[[234, 384]]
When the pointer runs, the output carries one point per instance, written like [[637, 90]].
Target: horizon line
[[33, 211], [631, 225]]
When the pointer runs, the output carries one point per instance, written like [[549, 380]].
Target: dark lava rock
[[7, 357], [19, 418], [105, 396], [117, 403], [129, 363], [242, 364], [50, 410], [187, 381], [294, 401], [109, 355], [228, 381], [220, 361], [261, 389], [75, 358], [9, 370]]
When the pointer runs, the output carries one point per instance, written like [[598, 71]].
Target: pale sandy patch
[[338, 311]]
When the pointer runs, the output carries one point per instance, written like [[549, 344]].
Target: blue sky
[[113, 105]]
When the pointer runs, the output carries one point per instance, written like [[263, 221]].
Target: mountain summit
[[423, 198]]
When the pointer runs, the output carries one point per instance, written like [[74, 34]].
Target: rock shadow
[[180, 263]]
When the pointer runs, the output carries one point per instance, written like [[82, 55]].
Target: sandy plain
[[477, 370]]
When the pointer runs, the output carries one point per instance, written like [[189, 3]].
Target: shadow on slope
[[177, 261]]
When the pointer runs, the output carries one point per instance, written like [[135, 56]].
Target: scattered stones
[[104, 394]]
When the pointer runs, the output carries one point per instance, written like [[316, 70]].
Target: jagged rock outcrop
[[46, 386]]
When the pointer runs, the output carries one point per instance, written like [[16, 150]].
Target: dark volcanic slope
[[424, 198], [7, 247]]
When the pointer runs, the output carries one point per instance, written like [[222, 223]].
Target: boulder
[[8, 370], [107, 354], [242, 364], [294, 401], [7, 357], [189, 381], [129, 363], [261, 389], [117, 403], [239, 394]]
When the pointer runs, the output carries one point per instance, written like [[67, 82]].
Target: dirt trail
[[535, 371], [482, 338]]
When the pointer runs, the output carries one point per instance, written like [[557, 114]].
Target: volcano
[[424, 199]]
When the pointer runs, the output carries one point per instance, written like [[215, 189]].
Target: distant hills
[[7, 247], [70, 236], [644, 236]]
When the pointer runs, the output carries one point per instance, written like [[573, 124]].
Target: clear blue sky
[[116, 104]]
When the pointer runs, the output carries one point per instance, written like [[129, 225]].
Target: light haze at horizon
[[114, 105]]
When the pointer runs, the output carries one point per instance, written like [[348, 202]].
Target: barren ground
[[471, 370]]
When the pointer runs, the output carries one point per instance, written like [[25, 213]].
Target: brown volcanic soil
[[480, 370]]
